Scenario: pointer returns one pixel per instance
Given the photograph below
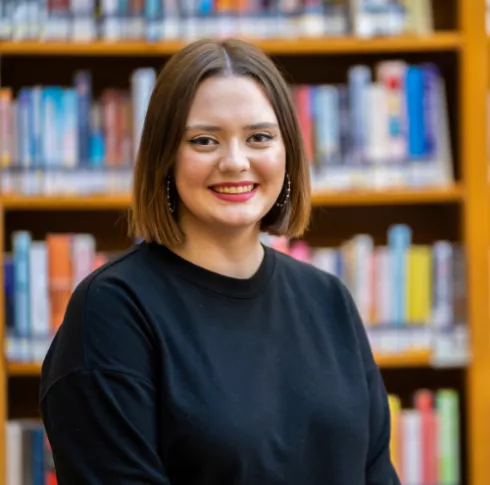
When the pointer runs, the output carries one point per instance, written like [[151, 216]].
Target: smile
[[234, 192], [237, 189]]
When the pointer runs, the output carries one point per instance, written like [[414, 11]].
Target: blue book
[[83, 86], [359, 79], [70, 128], [24, 127], [154, 20], [36, 125], [399, 241], [415, 112], [52, 121], [21, 248], [37, 455]]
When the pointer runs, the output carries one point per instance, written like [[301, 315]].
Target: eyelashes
[[202, 141], [206, 141]]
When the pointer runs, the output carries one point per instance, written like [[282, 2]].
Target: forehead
[[231, 99]]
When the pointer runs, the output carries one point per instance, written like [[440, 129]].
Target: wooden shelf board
[[404, 360], [21, 369], [389, 197], [329, 45], [66, 202], [334, 198]]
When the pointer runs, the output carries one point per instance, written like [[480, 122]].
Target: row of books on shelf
[[62, 138], [426, 438], [384, 127], [411, 297], [156, 20], [29, 459]]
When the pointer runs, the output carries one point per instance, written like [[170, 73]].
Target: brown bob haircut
[[164, 129]]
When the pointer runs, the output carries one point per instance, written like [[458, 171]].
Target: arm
[[99, 401], [379, 467]]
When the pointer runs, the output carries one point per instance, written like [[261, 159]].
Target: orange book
[[59, 275], [6, 135]]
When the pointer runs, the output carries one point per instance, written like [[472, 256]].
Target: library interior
[[378, 206]]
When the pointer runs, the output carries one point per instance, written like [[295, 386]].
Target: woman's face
[[231, 164]]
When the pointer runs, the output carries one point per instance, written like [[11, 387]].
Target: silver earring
[[171, 207], [285, 199]]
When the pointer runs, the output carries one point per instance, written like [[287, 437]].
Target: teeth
[[234, 190]]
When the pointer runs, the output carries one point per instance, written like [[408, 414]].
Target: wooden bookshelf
[[389, 197], [66, 202], [467, 48], [439, 41], [420, 358], [319, 199], [23, 369]]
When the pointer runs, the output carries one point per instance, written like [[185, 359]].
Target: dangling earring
[[171, 206], [287, 184]]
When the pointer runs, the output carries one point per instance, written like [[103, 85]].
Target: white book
[[377, 149], [84, 23], [39, 300], [383, 285], [363, 248], [142, 83], [14, 460], [411, 430], [83, 256], [325, 259]]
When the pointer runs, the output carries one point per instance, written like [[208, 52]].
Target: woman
[[201, 356]]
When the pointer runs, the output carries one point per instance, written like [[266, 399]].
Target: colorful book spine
[[425, 439], [153, 20]]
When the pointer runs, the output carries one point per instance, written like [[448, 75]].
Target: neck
[[237, 254]]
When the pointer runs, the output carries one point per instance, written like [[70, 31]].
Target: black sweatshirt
[[166, 373]]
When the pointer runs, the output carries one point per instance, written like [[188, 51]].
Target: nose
[[234, 158]]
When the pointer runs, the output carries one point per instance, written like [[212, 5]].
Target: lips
[[234, 187], [234, 192]]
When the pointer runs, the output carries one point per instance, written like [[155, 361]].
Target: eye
[[203, 141], [260, 137]]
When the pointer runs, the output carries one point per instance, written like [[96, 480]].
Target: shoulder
[[326, 297], [105, 326]]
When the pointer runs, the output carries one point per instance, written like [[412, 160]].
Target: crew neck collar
[[216, 282]]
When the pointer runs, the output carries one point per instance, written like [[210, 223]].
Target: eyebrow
[[255, 126]]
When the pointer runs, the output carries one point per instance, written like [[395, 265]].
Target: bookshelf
[[439, 41], [459, 46], [319, 199]]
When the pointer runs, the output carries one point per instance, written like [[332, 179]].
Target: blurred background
[[392, 101]]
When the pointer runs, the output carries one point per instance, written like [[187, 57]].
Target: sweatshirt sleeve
[[99, 402], [379, 466]]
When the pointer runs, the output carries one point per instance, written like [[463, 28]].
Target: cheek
[[272, 167], [191, 170]]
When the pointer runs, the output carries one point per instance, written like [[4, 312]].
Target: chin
[[237, 219]]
